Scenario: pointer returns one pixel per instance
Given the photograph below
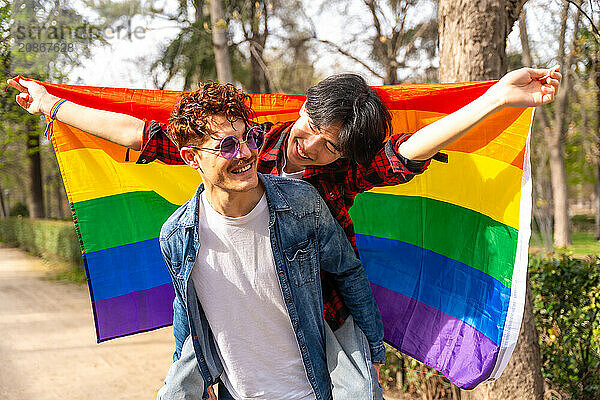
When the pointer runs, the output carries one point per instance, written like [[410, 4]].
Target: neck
[[233, 204], [290, 167]]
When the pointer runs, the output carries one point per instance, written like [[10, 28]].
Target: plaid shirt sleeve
[[156, 145], [387, 168]]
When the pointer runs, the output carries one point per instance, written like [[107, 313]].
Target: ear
[[189, 157], [303, 108]]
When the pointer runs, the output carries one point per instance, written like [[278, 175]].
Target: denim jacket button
[[288, 299], [190, 258], [295, 323]]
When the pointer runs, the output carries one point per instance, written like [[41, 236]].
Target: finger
[[211, 393], [542, 74], [21, 101], [27, 99], [548, 89], [553, 82], [14, 84], [556, 75], [537, 73], [27, 84]]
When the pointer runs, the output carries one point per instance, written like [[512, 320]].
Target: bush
[[19, 209], [402, 373], [583, 223], [567, 310], [52, 240]]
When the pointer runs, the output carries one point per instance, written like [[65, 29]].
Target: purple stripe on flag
[[462, 353], [134, 312]]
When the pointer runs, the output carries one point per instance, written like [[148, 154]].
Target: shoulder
[[291, 186], [296, 193], [174, 222]]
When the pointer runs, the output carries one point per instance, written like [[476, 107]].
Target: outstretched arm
[[525, 87], [118, 128]]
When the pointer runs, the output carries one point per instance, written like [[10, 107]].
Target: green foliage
[[48, 38], [567, 310], [404, 373], [583, 223], [19, 210], [190, 54], [52, 240]]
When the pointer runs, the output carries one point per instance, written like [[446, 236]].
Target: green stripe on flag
[[121, 219], [458, 233]]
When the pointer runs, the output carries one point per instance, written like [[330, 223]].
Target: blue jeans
[[348, 361]]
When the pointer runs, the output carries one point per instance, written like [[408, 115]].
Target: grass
[[583, 244]]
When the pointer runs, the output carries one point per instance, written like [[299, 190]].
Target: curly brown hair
[[189, 117]]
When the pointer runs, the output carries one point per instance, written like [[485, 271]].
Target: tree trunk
[[36, 192], [597, 169], [3, 207], [562, 234], [219, 36], [472, 40], [473, 47], [257, 75], [59, 198], [48, 196]]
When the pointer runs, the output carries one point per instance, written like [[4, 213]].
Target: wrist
[[46, 103], [494, 99]]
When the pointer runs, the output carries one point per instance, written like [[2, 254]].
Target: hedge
[[49, 239]]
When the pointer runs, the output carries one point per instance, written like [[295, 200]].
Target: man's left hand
[[527, 87]]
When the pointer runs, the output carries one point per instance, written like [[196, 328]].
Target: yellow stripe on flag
[[478, 183], [94, 174]]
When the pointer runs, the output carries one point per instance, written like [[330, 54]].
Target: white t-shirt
[[236, 282], [293, 175]]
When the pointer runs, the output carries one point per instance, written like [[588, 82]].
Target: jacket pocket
[[302, 262]]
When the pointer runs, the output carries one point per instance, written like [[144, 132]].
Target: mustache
[[244, 161]]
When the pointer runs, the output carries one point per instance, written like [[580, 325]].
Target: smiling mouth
[[301, 153], [241, 170]]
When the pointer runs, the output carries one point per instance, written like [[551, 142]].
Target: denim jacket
[[305, 239]]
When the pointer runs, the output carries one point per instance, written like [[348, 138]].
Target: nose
[[244, 152], [312, 143]]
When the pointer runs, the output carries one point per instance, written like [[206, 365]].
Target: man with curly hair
[[245, 266]]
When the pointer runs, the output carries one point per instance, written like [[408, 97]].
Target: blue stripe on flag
[[447, 285], [125, 269]]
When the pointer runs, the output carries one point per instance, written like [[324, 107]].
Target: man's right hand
[[118, 128], [33, 96]]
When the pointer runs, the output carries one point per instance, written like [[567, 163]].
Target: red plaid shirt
[[338, 183]]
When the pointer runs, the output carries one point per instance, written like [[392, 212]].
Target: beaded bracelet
[[53, 112]]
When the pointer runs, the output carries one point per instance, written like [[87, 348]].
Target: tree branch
[[264, 67], [344, 52], [594, 28]]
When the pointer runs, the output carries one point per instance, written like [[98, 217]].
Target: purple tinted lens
[[229, 147], [255, 137]]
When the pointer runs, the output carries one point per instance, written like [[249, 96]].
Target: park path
[[48, 346]]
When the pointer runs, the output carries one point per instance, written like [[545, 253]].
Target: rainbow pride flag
[[446, 253]]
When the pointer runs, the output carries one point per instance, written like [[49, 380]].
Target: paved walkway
[[48, 347]]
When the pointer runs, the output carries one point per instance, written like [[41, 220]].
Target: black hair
[[346, 99]]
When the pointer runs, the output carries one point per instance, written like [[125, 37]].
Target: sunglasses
[[229, 147]]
